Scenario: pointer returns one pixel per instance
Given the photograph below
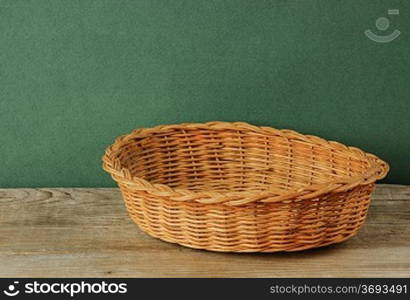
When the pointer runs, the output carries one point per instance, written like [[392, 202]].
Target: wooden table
[[84, 232]]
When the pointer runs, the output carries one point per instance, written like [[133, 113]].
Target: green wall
[[76, 74]]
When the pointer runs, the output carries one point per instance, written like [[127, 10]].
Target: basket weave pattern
[[242, 188]]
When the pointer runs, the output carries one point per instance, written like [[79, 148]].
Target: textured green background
[[76, 74]]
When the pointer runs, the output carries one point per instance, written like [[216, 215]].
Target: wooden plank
[[78, 232]]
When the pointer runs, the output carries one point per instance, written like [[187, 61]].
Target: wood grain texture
[[74, 232]]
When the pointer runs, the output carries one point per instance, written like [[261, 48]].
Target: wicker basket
[[241, 188]]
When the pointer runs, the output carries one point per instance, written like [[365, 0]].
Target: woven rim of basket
[[378, 169]]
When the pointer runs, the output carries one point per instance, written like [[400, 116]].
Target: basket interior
[[235, 160]]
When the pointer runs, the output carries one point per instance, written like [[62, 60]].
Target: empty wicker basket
[[241, 188]]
